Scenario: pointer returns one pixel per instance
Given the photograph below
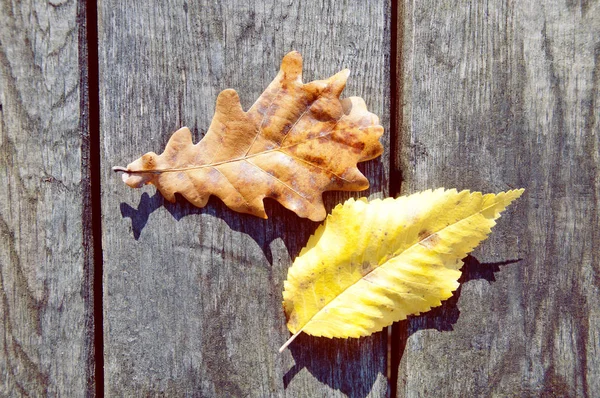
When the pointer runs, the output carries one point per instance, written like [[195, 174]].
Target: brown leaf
[[296, 142]]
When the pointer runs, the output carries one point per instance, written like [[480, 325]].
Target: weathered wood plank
[[46, 348], [193, 297], [503, 94]]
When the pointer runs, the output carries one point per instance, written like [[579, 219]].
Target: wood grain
[[497, 95], [192, 297], [46, 344]]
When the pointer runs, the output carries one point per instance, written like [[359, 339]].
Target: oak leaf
[[373, 263], [297, 141]]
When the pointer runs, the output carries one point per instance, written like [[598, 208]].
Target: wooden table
[[109, 291]]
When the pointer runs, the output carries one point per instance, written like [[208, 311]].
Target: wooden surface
[[192, 298], [491, 96], [46, 343], [499, 95]]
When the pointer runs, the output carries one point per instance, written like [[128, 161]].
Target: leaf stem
[[287, 343], [119, 168]]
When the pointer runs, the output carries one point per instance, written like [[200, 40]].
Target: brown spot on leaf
[[273, 194], [286, 128], [423, 234], [292, 319], [323, 140], [348, 139], [149, 161], [304, 285], [366, 267], [358, 146], [316, 160], [428, 239]]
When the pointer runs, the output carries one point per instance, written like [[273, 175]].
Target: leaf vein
[[278, 180]]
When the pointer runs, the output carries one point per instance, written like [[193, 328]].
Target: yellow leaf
[[373, 263]]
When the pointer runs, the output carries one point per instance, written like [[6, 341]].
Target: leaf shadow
[[444, 317], [243, 222], [262, 231], [346, 365], [146, 206], [340, 363]]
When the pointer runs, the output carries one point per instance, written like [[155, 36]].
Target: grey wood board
[[46, 348], [192, 297], [499, 95]]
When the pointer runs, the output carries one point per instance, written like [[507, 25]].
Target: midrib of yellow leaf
[[396, 254]]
